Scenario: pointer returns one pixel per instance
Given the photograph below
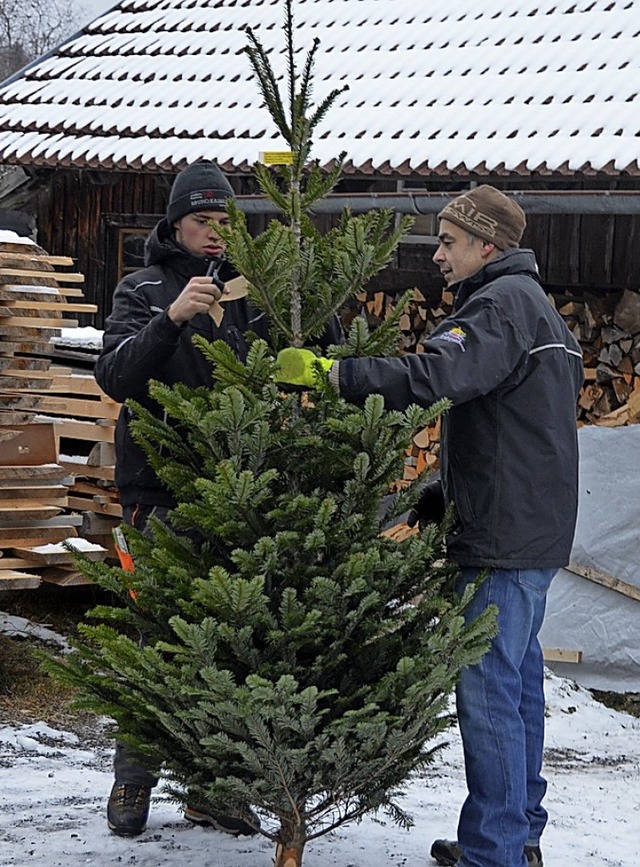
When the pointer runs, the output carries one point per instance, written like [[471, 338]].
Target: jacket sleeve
[[470, 354], [138, 340]]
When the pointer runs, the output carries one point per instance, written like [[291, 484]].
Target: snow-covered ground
[[54, 786]]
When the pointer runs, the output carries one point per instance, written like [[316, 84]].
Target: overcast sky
[[95, 7]]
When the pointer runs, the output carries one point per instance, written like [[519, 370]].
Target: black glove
[[430, 508]]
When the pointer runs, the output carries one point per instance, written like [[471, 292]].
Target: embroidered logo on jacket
[[454, 335]]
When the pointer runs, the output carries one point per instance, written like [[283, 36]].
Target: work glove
[[300, 367], [430, 508]]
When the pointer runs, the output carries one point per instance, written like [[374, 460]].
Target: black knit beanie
[[199, 187], [488, 214]]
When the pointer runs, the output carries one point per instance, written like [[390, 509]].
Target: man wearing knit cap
[[156, 313], [509, 468]]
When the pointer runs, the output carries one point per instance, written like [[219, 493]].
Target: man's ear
[[487, 249]]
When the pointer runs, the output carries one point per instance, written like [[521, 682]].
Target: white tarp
[[581, 615]]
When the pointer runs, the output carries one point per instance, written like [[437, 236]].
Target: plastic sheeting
[[581, 615]]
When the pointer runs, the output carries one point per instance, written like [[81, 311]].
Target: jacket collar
[[512, 261]]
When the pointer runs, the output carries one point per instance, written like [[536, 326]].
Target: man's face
[[198, 232], [459, 254]]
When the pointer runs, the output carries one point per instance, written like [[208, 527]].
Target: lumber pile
[[56, 426]]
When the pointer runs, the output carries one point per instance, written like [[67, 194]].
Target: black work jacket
[[509, 452], [141, 343]]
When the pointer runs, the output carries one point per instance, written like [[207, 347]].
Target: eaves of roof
[[510, 87]]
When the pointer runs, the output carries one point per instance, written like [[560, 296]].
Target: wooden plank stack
[[46, 410]]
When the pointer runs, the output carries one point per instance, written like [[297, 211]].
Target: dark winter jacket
[[513, 370], [141, 343]]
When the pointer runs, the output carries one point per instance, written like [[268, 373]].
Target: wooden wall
[[74, 210]]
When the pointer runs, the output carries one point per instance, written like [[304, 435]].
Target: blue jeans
[[500, 706]]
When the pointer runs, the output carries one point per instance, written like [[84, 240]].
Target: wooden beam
[[629, 590], [556, 654]]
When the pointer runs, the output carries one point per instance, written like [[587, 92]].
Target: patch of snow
[[61, 547], [7, 236], [86, 337], [20, 627], [53, 794]]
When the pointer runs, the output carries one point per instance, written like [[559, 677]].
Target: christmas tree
[[295, 658]]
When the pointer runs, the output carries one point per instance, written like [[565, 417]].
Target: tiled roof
[[513, 86]]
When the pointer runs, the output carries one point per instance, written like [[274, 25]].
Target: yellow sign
[[276, 158]]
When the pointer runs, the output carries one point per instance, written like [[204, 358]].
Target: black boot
[[128, 809], [245, 825], [447, 853]]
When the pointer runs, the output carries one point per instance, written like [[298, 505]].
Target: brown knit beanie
[[488, 214]]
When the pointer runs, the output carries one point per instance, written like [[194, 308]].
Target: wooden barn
[[538, 97]]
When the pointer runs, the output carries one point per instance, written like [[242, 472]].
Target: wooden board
[[63, 277], [32, 536], [629, 590], [43, 471], [25, 256], [19, 512], [91, 504], [42, 323], [75, 384], [55, 558], [64, 577], [30, 347], [53, 306], [49, 495], [35, 444], [65, 291], [80, 408], [14, 562], [9, 364], [15, 419], [87, 471], [25, 333], [22, 245], [85, 430], [12, 580], [557, 654]]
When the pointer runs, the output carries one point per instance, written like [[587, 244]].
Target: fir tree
[[295, 658]]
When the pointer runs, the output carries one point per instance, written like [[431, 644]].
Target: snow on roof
[[512, 86]]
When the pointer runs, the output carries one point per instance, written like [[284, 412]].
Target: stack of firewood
[[607, 327]]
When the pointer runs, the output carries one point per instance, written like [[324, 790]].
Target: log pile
[[45, 409]]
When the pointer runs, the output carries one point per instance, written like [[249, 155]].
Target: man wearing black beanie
[[156, 313]]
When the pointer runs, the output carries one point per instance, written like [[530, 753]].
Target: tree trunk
[[289, 855]]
